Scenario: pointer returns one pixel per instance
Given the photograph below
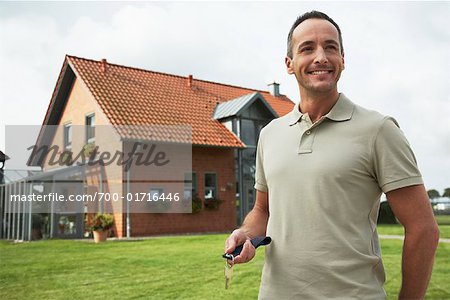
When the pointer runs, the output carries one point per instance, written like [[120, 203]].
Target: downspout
[[23, 211], [30, 224], [128, 205], [52, 213], [240, 180], [13, 224]]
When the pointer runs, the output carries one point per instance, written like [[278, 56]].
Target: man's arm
[[412, 208], [254, 225]]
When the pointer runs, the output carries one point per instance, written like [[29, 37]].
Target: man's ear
[[343, 62], [289, 65]]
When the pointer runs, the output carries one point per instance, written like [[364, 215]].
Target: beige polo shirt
[[324, 182]]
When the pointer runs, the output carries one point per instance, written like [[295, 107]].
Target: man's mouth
[[320, 72]]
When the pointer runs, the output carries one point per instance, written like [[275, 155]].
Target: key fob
[[256, 242]]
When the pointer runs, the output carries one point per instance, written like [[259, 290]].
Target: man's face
[[316, 56]]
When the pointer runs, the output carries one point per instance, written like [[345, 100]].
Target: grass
[[438, 288], [397, 229], [443, 219], [162, 268]]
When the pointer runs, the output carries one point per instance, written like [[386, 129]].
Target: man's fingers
[[247, 253], [235, 239], [230, 244], [238, 238]]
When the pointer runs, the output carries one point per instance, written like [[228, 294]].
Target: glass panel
[[67, 136], [248, 168], [194, 184], [190, 185], [67, 224], [90, 128], [210, 186], [259, 126], [155, 193], [248, 134], [249, 154]]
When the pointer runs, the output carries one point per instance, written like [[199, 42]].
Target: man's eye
[[306, 49], [332, 47]]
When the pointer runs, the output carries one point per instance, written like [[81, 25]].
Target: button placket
[[307, 138]]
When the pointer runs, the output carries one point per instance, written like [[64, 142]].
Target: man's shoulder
[[370, 123], [369, 117]]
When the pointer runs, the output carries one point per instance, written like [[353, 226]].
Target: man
[[320, 172]]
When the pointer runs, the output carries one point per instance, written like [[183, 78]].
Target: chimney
[[274, 89], [104, 66], [190, 80]]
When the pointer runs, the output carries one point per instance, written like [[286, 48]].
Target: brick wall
[[79, 104], [215, 160]]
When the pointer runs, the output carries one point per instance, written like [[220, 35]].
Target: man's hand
[[237, 238], [254, 225]]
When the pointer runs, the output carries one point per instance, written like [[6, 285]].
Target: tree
[[432, 194], [446, 193]]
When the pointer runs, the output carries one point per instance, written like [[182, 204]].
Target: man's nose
[[321, 57]]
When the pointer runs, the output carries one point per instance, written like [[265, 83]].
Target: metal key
[[228, 274]]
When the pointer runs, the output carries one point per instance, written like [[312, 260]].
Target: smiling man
[[320, 172]]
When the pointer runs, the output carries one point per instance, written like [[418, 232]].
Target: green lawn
[[397, 229], [162, 268], [443, 219]]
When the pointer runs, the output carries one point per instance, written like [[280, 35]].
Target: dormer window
[[90, 128], [68, 136]]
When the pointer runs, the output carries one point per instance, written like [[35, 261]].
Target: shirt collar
[[295, 115], [341, 111]]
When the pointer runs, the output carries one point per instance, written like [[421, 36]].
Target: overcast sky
[[397, 55]]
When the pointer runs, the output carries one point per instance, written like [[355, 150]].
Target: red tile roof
[[131, 96]]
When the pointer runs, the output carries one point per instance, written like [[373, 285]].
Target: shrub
[[102, 222], [212, 203], [196, 204], [385, 214]]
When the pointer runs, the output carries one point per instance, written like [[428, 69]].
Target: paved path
[[401, 237]]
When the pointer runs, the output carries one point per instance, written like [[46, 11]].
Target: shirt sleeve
[[394, 162], [260, 177]]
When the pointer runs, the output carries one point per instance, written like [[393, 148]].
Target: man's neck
[[317, 105]]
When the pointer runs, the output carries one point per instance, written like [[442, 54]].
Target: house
[[217, 124]]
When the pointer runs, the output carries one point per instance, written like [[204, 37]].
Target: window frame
[[90, 116], [205, 187], [193, 185], [153, 188], [67, 138]]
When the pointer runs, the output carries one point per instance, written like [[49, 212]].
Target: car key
[[228, 274]]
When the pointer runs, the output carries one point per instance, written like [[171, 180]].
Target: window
[[210, 185], [190, 185], [248, 132], [68, 136], [90, 128], [155, 193]]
